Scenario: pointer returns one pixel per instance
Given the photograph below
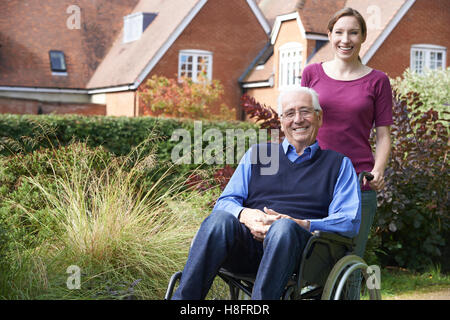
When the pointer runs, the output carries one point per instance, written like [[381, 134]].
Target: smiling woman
[[346, 33], [354, 98]]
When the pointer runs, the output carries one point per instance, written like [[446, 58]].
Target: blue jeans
[[223, 241]]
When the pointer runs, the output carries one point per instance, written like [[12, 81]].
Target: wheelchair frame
[[332, 252]]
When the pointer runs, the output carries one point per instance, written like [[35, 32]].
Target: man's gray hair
[[310, 91]]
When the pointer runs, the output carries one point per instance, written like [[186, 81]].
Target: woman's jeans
[[223, 241], [368, 210]]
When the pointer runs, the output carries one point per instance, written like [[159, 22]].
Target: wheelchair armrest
[[333, 237]]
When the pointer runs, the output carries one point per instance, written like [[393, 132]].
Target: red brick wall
[[29, 29], [22, 106], [426, 22], [230, 30]]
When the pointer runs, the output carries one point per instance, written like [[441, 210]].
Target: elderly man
[[262, 222]]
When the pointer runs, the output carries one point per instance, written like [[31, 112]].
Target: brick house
[[401, 34], [93, 57]]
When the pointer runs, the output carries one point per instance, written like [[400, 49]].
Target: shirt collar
[[310, 149]]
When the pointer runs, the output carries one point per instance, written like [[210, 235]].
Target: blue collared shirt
[[344, 212]]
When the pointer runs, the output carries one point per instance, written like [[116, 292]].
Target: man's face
[[299, 121]]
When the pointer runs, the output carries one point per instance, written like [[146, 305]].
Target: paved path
[[443, 294]]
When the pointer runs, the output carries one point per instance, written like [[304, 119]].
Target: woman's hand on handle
[[377, 183]]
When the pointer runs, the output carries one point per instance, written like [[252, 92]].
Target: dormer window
[[135, 24], [57, 62]]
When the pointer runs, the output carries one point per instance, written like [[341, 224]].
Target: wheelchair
[[328, 270]]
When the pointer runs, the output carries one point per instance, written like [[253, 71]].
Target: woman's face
[[346, 38]]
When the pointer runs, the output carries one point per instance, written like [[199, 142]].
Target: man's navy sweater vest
[[302, 191]]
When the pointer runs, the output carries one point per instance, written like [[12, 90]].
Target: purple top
[[350, 110]]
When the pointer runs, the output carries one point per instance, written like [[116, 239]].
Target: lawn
[[401, 282]]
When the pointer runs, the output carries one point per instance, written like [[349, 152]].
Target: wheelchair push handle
[[366, 174]]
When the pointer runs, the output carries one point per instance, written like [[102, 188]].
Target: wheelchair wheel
[[344, 281]]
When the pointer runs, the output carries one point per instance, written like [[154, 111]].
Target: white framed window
[[194, 63], [427, 56], [290, 64]]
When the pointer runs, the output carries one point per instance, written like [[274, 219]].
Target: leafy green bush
[[433, 88], [412, 217]]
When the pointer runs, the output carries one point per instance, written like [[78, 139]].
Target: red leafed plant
[[200, 182], [223, 175], [183, 98], [264, 115]]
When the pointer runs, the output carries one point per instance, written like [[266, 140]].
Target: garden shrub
[[412, 217], [183, 99], [433, 87], [265, 116]]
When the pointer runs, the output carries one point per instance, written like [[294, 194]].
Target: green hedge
[[116, 134]]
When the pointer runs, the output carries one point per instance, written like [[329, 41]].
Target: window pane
[[195, 65], [417, 63], [439, 61], [281, 74], [57, 61], [432, 61], [290, 64]]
